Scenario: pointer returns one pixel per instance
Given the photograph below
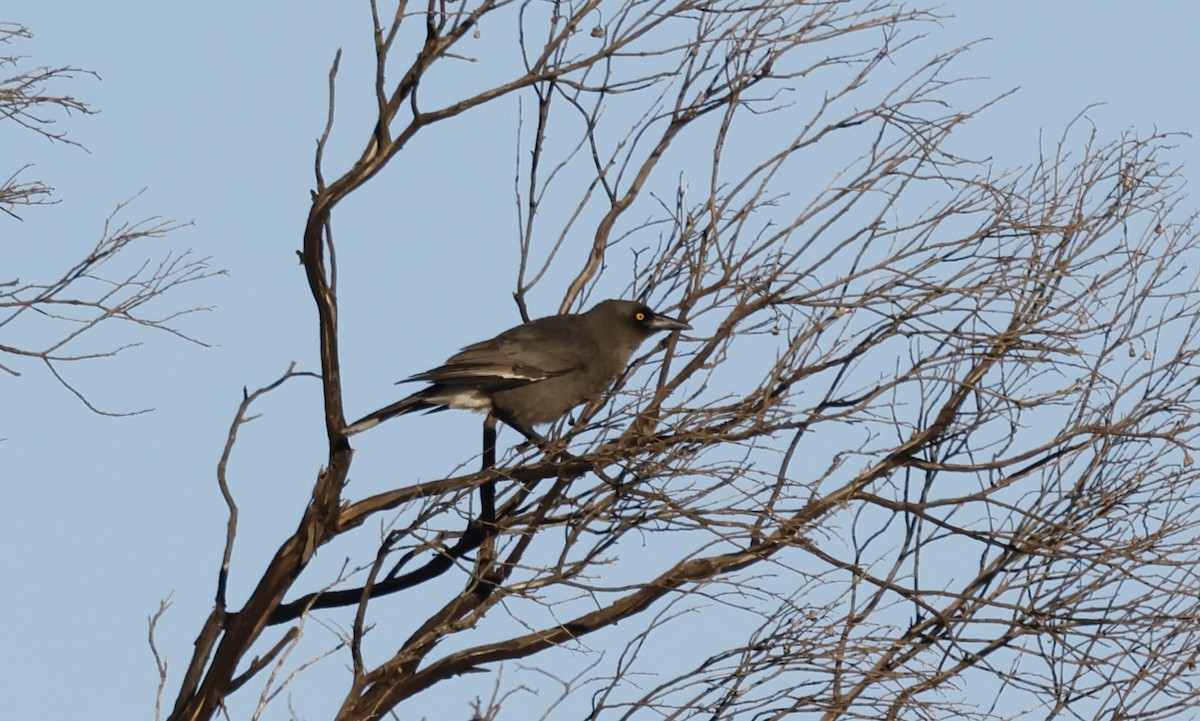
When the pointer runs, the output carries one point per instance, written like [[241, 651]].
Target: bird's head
[[634, 318]]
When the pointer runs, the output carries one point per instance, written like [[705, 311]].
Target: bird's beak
[[662, 322]]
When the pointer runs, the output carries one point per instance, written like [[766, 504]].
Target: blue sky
[[213, 109]]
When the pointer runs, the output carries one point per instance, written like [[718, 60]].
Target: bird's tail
[[416, 402]]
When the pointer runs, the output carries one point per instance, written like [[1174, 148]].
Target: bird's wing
[[544, 348]]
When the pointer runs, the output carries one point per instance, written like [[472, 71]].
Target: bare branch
[[929, 446], [105, 287]]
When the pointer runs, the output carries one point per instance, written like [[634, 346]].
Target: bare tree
[[928, 453], [53, 321]]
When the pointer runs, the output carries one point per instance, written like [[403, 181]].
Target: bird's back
[[539, 350], [578, 368]]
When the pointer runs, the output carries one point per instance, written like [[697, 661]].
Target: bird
[[536, 372]]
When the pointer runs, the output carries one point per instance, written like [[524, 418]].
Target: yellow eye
[[640, 316]]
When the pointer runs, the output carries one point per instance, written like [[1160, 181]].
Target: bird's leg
[[556, 450], [531, 436]]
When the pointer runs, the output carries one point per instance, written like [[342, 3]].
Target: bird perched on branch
[[536, 372]]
